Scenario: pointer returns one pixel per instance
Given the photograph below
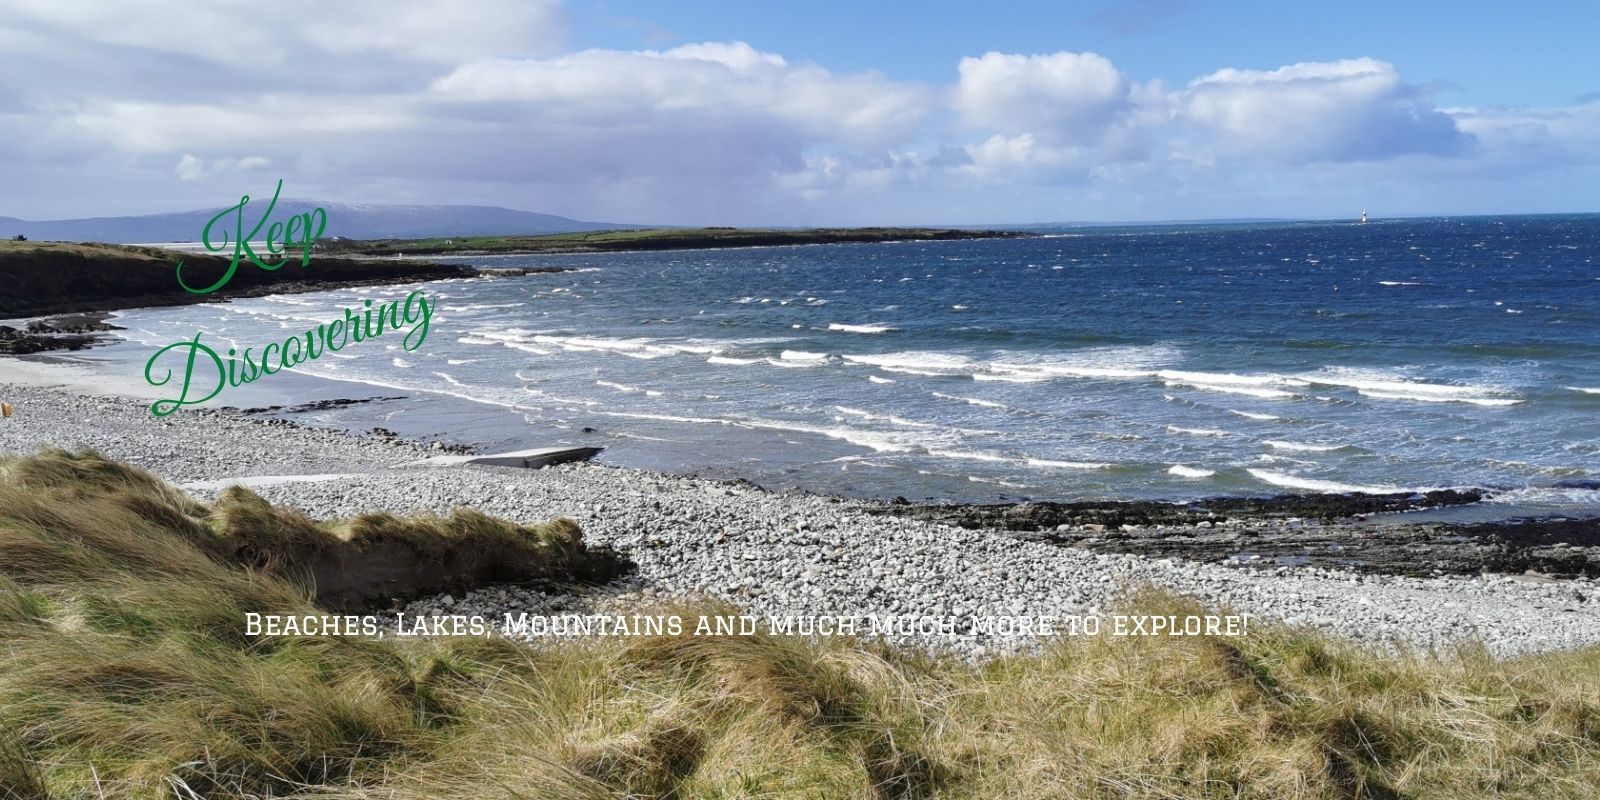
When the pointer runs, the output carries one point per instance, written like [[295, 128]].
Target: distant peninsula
[[646, 239]]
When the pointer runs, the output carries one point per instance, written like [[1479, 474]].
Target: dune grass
[[125, 672]]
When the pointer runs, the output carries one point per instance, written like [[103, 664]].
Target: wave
[[1318, 485], [890, 418], [641, 348], [1049, 464], [1399, 283], [802, 355], [623, 387], [876, 379], [1197, 431], [839, 326], [971, 400], [1302, 447], [1254, 415], [1190, 472], [1584, 389], [456, 362], [919, 363], [1434, 398], [734, 362], [1228, 378], [1380, 385], [402, 363], [1547, 496], [969, 455]]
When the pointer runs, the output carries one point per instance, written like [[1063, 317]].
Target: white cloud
[[247, 31], [192, 167], [1574, 129], [1353, 109], [1068, 97], [732, 80]]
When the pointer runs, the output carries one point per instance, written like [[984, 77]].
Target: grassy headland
[[652, 239], [125, 673]]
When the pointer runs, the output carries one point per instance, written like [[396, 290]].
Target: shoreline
[[791, 553], [1364, 534]]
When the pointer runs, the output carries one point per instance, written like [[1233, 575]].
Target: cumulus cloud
[[605, 87], [1353, 109], [192, 167], [1066, 97]]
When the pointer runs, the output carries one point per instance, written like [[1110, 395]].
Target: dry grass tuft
[[124, 673]]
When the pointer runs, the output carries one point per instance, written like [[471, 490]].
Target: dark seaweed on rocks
[[1037, 516]]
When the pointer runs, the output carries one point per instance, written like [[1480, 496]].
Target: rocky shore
[[804, 554], [1328, 530]]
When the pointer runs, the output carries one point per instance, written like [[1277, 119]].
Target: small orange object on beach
[[5, 409]]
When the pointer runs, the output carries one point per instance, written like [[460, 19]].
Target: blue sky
[[724, 113], [1479, 52]]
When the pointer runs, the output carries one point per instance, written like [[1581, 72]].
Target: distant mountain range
[[350, 220]]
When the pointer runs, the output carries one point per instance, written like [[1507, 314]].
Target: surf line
[[355, 327]]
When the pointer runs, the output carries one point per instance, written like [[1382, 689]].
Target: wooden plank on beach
[[526, 459]]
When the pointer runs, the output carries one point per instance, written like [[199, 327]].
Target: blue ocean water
[[1155, 362]]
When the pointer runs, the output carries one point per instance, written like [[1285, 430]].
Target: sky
[[823, 113]]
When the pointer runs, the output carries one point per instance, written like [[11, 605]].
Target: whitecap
[[1051, 464], [1197, 431], [1190, 472], [1302, 447], [1318, 485], [1254, 415], [839, 326], [971, 400], [876, 379]]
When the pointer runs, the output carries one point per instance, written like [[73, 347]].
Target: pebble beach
[[778, 554]]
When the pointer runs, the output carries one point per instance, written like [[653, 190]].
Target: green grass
[[124, 672]]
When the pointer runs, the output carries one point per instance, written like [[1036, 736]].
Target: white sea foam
[[1011, 377], [1197, 431], [623, 387], [969, 455], [734, 362], [1382, 385], [1318, 485], [802, 355], [839, 326], [1424, 397], [1248, 391], [1399, 283], [977, 401], [1228, 378], [1190, 472], [456, 362], [1051, 464], [402, 363], [1302, 447], [1584, 389], [890, 418], [876, 379], [1254, 415], [920, 363]]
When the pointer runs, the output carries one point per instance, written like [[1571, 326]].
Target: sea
[[1156, 362]]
